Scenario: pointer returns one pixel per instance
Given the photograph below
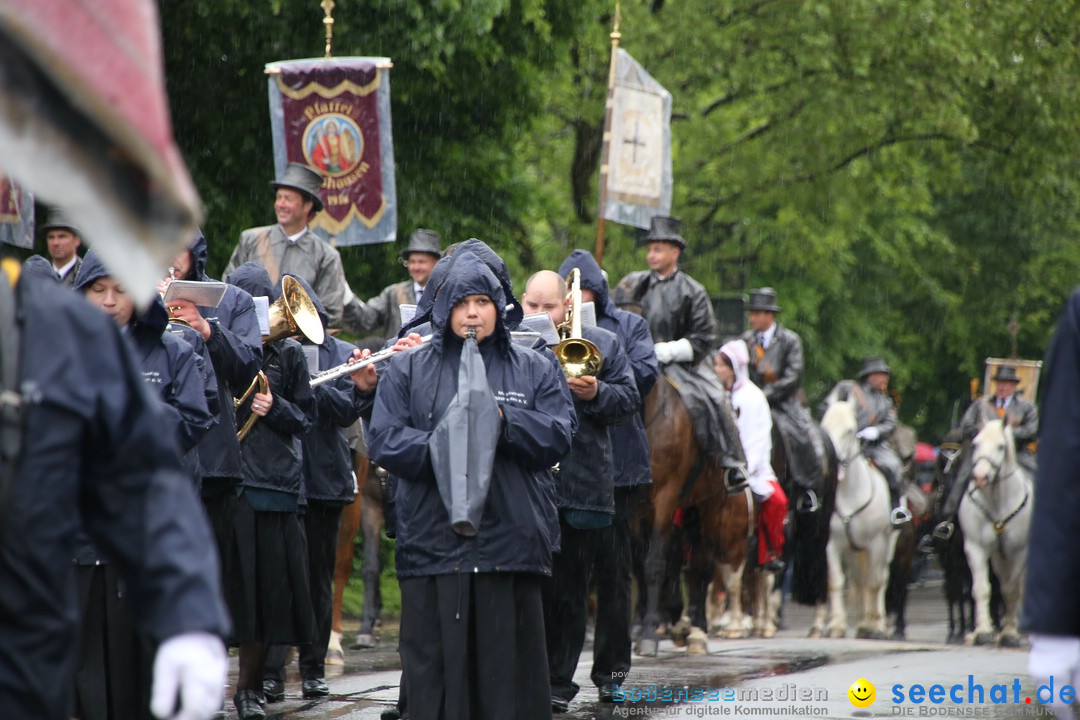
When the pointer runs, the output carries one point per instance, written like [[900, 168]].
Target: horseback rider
[[1006, 405], [877, 423], [755, 430], [681, 322], [776, 366]]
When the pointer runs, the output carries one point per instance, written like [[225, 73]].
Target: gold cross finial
[[328, 21]]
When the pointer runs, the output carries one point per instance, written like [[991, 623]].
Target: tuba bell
[[577, 355], [292, 313]]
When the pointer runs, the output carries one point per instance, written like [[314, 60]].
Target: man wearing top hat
[[776, 366], [290, 246], [381, 315], [877, 422], [680, 317], [1005, 404], [63, 240]]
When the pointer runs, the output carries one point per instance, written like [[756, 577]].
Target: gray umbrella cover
[[462, 446]]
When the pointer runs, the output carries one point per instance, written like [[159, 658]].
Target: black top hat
[[1006, 373], [423, 241], [763, 299], [873, 365], [59, 220], [664, 229], [305, 180]]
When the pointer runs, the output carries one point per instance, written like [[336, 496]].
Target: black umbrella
[[463, 444]]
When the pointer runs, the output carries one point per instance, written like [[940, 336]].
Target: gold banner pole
[[598, 251], [328, 21]]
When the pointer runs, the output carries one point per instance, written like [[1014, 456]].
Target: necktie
[[1000, 407], [419, 294]]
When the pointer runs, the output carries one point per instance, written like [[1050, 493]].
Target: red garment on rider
[[770, 525]]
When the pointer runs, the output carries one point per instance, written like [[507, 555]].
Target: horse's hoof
[[898, 635], [955, 639], [1010, 641], [815, 632], [984, 638], [768, 633], [697, 643], [735, 634], [869, 634], [837, 633], [364, 640], [647, 647]]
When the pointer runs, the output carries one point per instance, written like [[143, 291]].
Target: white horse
[[995, 515], [861, 538]]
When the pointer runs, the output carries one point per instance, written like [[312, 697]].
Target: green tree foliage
[[902, 172]]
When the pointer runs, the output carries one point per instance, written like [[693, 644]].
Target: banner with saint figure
[[333, 114], [638, 149], [16, 214]]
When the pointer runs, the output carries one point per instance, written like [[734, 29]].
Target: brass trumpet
[[292, 313], [577, 355]]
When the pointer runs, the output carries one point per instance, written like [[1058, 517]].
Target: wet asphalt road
[[789, 676]]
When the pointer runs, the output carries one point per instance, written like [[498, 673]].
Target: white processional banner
[[639, 178]]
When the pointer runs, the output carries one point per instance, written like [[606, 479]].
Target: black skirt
[[267, 588], [473, 648]]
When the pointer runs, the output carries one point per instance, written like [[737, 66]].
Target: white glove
[[675, 351], [869, 434], [194, 667], [1054, 656]]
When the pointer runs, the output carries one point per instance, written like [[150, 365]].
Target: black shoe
[[247, 705], [775, 565], [559, 705], [607, 693], [274, 690], [315, 687]]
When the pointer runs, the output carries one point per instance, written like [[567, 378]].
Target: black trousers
[[565, 611], [611, 578], [115, 659], [321, 523], [472, 647]]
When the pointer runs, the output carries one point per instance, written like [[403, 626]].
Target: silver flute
[[349, 368]]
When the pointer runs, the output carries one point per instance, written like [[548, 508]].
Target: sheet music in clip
[[541, 323]]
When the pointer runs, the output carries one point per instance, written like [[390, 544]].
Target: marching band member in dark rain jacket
[[96, 453], [472, 640], [329, 485], [630, 453], [269, 595]]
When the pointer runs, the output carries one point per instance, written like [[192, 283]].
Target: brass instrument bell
[[577, 355], [293, 312]]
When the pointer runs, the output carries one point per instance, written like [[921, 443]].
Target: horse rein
[[846, 519], [999, 525]]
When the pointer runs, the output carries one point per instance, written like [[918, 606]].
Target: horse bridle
[[999, 525], [846, 519]]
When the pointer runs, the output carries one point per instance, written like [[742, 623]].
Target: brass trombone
[[577, 355], [292, 313]]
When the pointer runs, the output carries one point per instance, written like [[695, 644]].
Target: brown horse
[[714, 524], [365, 513]]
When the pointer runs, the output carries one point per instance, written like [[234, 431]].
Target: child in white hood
[[754, 421]]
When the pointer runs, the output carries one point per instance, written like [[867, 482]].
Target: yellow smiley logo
[[862, 693]]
